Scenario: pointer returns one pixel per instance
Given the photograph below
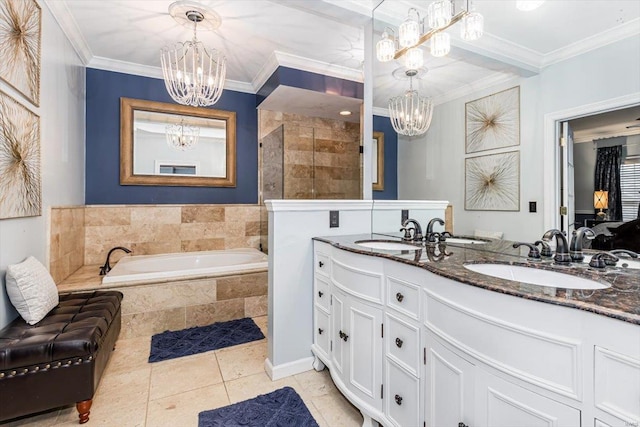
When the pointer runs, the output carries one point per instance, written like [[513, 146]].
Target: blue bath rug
[[172, 344], [281, 408]]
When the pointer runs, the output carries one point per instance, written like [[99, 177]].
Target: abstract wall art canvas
[[20, 35], [20, 183], [493, 121], [492, 182]]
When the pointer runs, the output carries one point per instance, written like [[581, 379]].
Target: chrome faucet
[[431, 236], [107, 266], [577, 237], [417, 230], [562, 247]]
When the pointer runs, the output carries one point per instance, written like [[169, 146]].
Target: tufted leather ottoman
[[59, 360]]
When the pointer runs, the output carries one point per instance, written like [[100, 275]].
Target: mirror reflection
[[170, 144]]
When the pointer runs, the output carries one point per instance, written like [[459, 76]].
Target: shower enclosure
[[307, 158]]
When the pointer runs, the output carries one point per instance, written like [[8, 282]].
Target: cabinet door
[[449, 387], [340, 350], [503, 404], [322, 330], [365, 349]]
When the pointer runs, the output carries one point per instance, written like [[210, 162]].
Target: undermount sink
[[388, 245], [623, 263], [535, 276], [462, 241]]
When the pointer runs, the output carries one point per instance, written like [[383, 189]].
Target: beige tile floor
[[133, 392]]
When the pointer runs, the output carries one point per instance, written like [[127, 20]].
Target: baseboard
[[287, 369]]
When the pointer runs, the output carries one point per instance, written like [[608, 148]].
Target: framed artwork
[[492, 182], [493, 121], [20, 182], [377, 161], [20, 35]]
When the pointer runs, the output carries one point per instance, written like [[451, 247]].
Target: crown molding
[[267, 70], [379, 111], [621, 32], [69, 26], [319, 67], [484, 83], [117, 66]]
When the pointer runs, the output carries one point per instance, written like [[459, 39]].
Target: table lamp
[[601, 201]]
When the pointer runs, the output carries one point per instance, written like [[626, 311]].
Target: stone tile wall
[[319, 154], [66, 241], [157, 307], [83, 235], [154, 229]]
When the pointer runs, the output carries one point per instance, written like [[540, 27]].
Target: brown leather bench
[[59, 360]]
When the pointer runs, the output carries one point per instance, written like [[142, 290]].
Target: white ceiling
[[327, 36]]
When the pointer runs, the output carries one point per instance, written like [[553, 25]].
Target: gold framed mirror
[[176, 145], [377, 161]]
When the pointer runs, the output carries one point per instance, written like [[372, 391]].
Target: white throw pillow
[[31, 290]]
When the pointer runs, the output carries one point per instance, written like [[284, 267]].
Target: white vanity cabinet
[[410, 348]]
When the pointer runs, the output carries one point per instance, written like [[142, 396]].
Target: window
[[630, 186]]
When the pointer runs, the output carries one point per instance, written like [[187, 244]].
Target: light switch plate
[[334, 219]]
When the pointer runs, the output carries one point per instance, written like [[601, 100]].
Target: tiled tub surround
[[621, 301], [66, 243], [83, 235], [150, 307], [321, 156]]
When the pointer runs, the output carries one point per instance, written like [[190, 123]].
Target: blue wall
[[104, 90], [390, 192]]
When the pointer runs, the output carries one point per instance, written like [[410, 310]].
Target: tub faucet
[[107, 267], [562, 247], [417, 230], [575, 248], [431, 238]]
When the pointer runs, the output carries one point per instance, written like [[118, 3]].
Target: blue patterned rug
[[281, 408], [172, 344]]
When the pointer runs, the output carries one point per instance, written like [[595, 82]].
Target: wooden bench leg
[[84, 408]]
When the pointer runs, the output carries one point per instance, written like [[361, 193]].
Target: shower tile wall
[[66, 243], [83, 235], [321, 156]]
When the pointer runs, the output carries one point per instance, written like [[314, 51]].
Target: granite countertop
[[620, 301]]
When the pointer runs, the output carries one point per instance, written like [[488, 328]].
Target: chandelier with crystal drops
[[181, 136], [410, 113], [193, 74], [413, 31]]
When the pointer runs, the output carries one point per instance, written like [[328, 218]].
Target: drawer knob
[[344, 336], [320, 293], [398, 399], [320, 331], [320, 264], [399, 342], [399, 297]]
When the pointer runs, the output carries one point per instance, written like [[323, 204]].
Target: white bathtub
[[205, 263]]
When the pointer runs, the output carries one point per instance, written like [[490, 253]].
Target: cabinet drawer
[[321, 330], [322, 262], [402, 394], [358, 281], [402, 343], [403, 297], [617, 385], [321, 292]]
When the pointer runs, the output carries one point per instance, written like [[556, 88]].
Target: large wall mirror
[[176, 145]]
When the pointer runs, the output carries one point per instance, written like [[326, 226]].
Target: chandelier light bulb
[[528, 5], [385, 48], [409, 30], [439, 14], [440, 44], [472, 26], [414, 58]]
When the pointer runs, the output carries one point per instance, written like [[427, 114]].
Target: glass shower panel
[[272, 158], [336, 152], [298, 161]]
